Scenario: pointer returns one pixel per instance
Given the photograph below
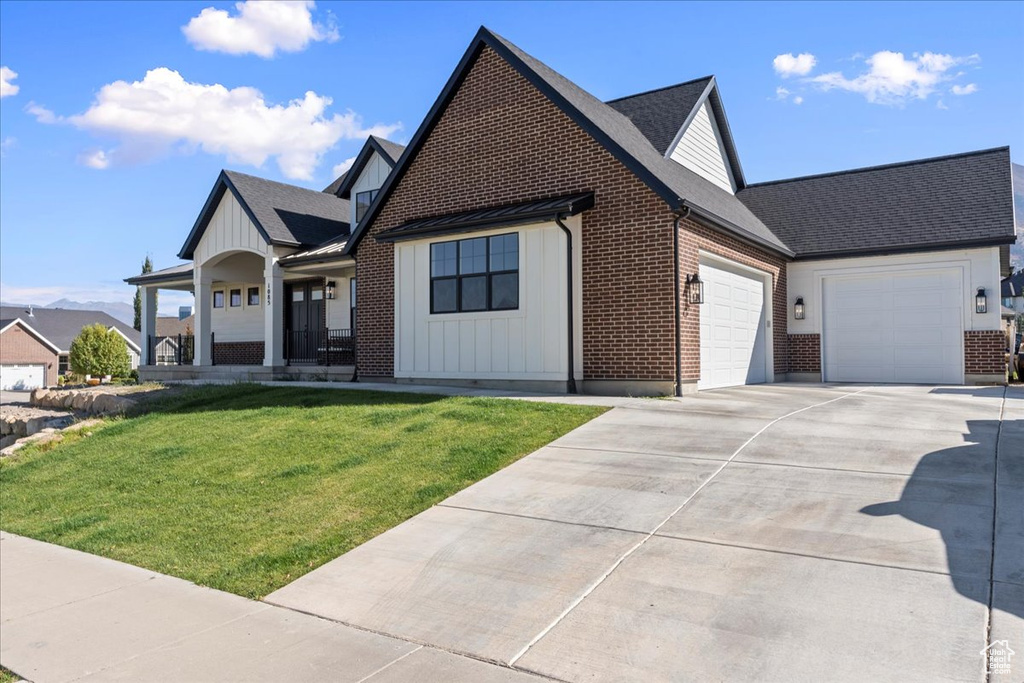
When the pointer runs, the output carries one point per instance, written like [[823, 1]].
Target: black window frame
[[231, 297], [250, 291], [369, 203], [221, 293], [459, 277]]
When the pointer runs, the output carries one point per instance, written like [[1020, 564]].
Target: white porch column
[[148, 325], [273, 314], [202, 282]]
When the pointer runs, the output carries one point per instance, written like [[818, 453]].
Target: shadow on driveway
[[950, 464]]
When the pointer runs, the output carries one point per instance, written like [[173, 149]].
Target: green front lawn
[[245, 488]]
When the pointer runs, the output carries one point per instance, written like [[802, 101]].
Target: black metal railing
[[172, 350], [319, 347]]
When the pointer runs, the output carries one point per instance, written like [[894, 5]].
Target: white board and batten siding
[[372, 177], [525, 344], [237, 323], [701, 150], [229, 230]]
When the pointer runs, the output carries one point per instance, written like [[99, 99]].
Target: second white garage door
[[894, 327], [732, 327]]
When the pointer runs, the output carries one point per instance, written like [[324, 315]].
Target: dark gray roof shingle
[[60, 326], [703, 196], [944, 201], [659, 114], [290, 214], [392, 149]]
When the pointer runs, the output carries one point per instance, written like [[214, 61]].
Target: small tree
[[147, 267], [99, 351]]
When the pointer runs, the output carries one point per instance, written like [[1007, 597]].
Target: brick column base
[[805, 357], [238, 353], [984, 357]]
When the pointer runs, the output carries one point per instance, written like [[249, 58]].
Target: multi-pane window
[[218, 299], [476, 274], [254, 296], [363, 201], [236, 298]]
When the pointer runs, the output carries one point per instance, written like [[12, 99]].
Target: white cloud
[[6, 87], [94, 158], [163, 112], [964, 89], [42, 114], [892, 79], [784, 94], [260, 27], [789, 65], [941, 105], [342, 167]]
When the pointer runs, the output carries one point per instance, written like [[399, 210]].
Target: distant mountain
[[116, 309], [1017, 250]]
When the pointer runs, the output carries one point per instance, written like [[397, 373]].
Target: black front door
[[304, 321]]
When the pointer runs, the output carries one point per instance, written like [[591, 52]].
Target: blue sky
[[95, 174]]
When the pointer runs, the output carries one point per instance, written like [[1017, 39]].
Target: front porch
[[256, 319]]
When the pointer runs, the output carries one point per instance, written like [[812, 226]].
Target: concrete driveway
[[780, 532]]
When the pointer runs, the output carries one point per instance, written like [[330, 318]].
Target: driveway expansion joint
[[601, 579]]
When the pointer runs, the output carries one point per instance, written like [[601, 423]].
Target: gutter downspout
[[571, 384], [680, 214]]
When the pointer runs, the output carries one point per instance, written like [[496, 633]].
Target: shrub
[[98, 351]]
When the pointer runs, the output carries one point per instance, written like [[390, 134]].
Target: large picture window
[[363, 201], [477, 274]]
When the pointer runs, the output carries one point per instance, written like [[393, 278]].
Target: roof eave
[[729, 228], [203, 220], [907, 249], [363, 158]]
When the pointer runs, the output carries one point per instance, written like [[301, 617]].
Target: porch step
[[245, 373]]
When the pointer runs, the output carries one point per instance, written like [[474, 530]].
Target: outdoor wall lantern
[[329, 289], [695, 289], [981, 301], [798, 308]]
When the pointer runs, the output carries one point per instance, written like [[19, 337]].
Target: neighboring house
[[173, 333], [532, 236], [1012, 292], [35, 342]]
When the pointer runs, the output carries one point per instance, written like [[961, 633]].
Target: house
[[35, 342], [173, 333], [1012, 292], [532, 236]]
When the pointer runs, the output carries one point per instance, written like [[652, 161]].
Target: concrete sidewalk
[[70, 616]]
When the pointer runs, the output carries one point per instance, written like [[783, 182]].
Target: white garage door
[[732, 327], [894, 327], [22, 377]]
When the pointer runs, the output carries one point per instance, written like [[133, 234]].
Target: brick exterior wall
[[19, 347], [500, 141], [238, 353], [984, 352], [805, 353]]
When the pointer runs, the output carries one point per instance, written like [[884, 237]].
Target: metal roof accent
[[484, 219]]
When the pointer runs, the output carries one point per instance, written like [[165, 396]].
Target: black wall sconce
[[798, 308], [329, 289], [694, 289], [981, 301]]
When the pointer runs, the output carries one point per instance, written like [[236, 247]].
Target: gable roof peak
[[693, 81]]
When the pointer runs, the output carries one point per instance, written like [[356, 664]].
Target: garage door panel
[[732, 328], [22, 377], [894, 327]]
